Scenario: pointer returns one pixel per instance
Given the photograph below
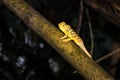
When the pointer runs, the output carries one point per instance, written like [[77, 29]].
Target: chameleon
[[70, 34]]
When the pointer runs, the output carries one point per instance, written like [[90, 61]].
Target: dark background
[[24, 55]]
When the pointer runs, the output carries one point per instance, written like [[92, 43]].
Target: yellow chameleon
[[72, 35]]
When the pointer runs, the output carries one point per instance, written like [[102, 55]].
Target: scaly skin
[[72, 35]]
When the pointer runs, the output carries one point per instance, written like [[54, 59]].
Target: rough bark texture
[[71, 52]]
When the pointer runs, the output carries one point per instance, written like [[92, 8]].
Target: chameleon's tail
[[87, 52], [81, 45]]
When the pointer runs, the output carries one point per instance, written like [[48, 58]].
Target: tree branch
[[70, 51], [110, 9]]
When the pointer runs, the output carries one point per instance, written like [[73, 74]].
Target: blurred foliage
[[26, 56]]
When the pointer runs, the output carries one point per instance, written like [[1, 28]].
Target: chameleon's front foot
[[65, 38]]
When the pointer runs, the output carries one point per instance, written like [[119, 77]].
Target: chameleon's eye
[[63, 25]]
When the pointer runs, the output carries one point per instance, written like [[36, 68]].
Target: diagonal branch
[[110, 9], [71, 52]]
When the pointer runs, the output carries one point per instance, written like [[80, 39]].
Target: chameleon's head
[[63, 26]]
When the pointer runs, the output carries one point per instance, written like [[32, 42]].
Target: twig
[[80, 16], [108, 55], [29, 75], [91, 32]]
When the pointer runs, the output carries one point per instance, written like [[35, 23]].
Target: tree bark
[[69, 50]]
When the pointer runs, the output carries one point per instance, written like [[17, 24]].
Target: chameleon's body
[[72, 35]]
